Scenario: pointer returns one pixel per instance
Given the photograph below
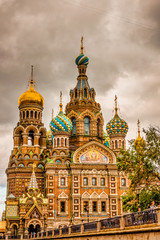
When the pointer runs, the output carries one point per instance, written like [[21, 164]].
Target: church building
[[67, 175]]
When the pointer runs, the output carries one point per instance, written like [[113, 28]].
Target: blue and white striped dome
[[61, 123]]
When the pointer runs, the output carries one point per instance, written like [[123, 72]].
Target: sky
[[121, 39]]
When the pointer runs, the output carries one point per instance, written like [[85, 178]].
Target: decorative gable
[[94, 152], [94, 195], [103, 195], [85, 195], [63, 195]]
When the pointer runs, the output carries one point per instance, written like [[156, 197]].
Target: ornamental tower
[[83, 110], [60, 127], [29, 140], [117, 129]]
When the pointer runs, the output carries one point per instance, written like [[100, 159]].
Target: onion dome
[[139, 140], [117, 125], [82, 59], [106, 139], [31, 96], [61, 123]]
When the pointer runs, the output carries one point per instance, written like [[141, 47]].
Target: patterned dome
[[82, 60], [117, 125], [106, 139], [60, 123]]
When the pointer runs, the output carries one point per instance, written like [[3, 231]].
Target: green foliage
[[141, 162]]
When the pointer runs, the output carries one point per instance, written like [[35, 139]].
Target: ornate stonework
[[68, 174]]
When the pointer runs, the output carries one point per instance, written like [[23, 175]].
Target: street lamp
[[138, 190]]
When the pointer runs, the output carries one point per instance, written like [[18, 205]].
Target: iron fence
[[110, 223], [75, 228], [140, 218], [91, 226], [56, 231], [65, 230], [49, 233]]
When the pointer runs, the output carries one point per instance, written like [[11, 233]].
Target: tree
[[141, 162]]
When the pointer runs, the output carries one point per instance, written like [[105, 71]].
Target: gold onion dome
[[31, 96], [117, 125], [139, 140]]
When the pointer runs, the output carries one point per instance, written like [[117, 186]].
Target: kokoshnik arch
[[67, 174]]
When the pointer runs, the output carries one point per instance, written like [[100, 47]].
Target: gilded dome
[[139, 142], [31, 97]]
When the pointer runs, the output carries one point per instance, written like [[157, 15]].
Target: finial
[[60, 105], [31, 74], [82, 45], [52, 113], [138, 124], [116, 108]]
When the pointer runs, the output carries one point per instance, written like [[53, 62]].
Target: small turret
[[117, 129]]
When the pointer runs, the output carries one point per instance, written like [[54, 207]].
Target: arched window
[[36, 114], [20, 138], [23, 114], [85, 92], [31, 114], [73, 126], [86, 125], [112, 144], [31, 138], [65, 142], [57, 142], [116, 144], [41, 138], [76, 93], [98, 127], [27, 114]]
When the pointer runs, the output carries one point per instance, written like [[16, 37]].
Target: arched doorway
[[38, 228], [14, 230], [34, 229]]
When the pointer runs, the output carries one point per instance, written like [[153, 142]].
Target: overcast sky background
[[121, 39]]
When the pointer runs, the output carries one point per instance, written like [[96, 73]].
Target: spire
[[116, 108], [33, 182], [82, 45], [31, 82], [60, 105], [138, 125]]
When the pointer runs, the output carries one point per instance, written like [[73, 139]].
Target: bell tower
[[29, 140], [83, 110]]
